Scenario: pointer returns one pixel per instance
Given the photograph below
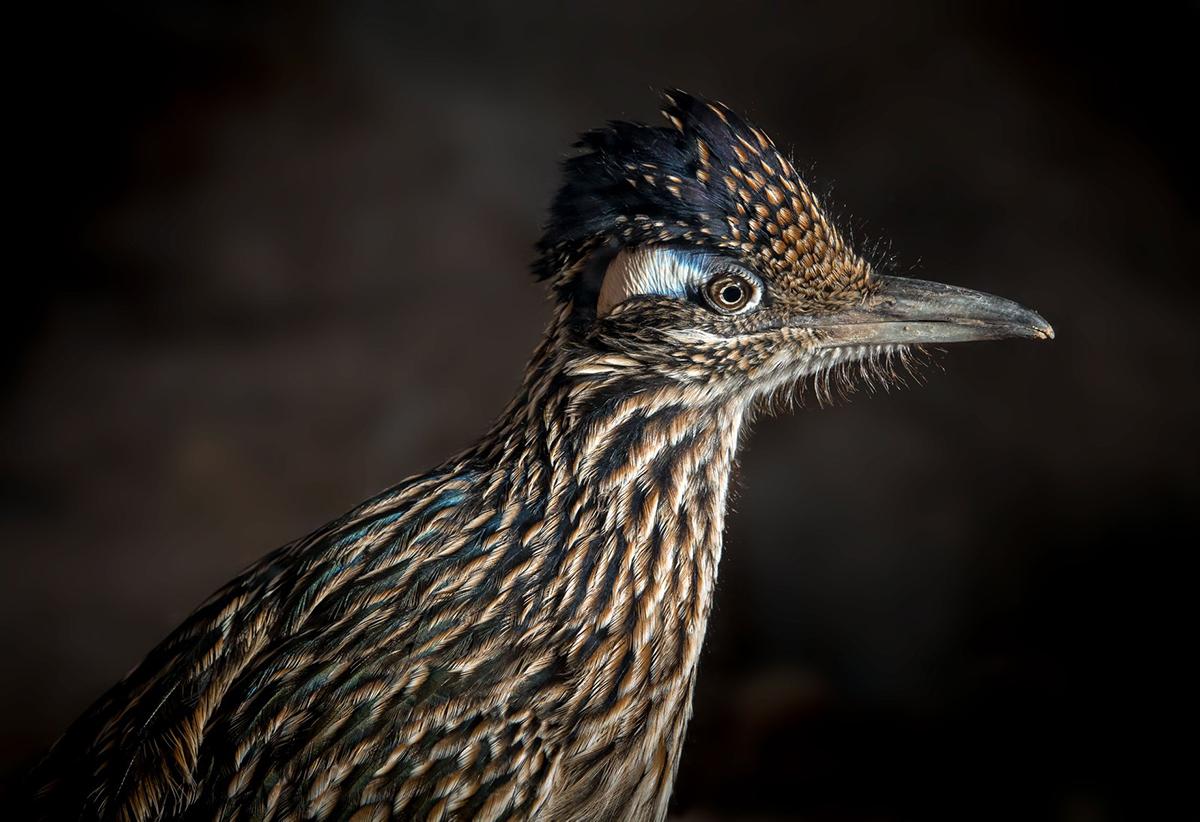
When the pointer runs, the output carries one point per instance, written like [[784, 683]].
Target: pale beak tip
[[1042, 330]]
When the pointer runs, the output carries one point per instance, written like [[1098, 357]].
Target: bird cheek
[[780, 356]]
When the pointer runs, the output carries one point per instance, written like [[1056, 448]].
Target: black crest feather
[[629, 177]]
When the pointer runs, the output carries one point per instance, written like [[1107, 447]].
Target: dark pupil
[[731, 294]]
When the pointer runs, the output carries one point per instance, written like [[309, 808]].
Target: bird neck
[[621, 486]]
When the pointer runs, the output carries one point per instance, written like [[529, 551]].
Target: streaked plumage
[[515, 633]]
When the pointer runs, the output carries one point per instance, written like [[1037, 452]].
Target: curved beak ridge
[[916, 312]]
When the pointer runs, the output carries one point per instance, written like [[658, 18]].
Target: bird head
[[694, 254]]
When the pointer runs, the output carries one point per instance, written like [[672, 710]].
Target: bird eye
[[729, 293]]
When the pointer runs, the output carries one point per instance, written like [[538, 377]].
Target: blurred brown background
[[281, 264]]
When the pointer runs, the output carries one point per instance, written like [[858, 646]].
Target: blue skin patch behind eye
[[663, 271]]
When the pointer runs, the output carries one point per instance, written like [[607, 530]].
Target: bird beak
[[915, 312]]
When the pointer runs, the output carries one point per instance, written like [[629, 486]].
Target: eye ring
[[730, 293]]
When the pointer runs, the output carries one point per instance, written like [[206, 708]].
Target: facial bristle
[[835, 374]]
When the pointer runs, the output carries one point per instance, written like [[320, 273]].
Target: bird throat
[[620, 490], [625, 485]]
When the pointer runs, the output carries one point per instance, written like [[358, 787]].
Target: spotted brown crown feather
[[710, 179]]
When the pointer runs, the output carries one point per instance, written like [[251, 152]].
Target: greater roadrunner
[[515, 633]]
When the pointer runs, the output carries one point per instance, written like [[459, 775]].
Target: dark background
[[281, 262]]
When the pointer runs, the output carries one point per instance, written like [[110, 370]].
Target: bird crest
[[708, 179]]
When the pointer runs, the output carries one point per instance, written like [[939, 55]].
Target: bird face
[[695, 254]]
